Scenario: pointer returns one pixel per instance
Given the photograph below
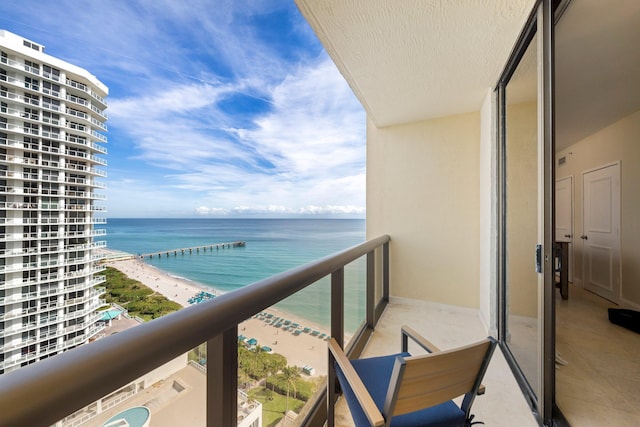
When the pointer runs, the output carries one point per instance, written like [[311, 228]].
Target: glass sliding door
[[525, 229]]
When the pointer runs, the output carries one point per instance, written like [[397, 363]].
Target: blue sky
[[216, 108]]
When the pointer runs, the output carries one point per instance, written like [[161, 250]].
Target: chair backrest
[[423, 381]]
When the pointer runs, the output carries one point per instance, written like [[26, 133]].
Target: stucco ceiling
[[409, 60], [413, 60]]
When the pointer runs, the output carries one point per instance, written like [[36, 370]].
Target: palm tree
[[290, 375], [259, 365], [273, 364]]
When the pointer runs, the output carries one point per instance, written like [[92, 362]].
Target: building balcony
[[150, 345], [86, 89]]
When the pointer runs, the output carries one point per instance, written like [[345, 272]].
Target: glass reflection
[[521, 152]]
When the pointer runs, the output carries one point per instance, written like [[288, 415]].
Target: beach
[[300, 350]]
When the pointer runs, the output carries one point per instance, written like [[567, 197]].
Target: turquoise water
[[273, 246]]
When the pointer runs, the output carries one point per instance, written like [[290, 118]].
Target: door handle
[[568, 236], [584, 237]]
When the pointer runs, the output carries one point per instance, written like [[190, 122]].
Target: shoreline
[[300, 350]]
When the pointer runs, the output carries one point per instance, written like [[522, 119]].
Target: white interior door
[[601, 231]]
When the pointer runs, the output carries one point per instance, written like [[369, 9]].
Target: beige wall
[[617, 142], [422, 190], [522, 208]]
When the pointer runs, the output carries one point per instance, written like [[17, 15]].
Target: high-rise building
[[52, 127]]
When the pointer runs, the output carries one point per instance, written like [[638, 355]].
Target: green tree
[[257, 362], [290, 374], [273, 364]]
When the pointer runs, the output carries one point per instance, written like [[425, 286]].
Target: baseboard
[[625, 303]]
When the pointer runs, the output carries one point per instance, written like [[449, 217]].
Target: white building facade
[[52, 131]]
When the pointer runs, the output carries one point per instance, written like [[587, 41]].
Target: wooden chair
[[401, 390]]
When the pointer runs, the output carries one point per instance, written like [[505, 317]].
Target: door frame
[[540, 22]]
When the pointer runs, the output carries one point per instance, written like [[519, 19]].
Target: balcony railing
[[72, 381]]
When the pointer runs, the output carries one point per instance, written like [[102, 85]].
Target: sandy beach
[[300, 350]]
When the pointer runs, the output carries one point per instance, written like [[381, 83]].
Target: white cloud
[[177, 146], [304, 156]]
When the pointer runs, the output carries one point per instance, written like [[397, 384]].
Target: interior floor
[[600, 384]]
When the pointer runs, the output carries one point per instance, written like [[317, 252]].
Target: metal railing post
[[222, 379], [371, 291], [337, 306], [337, 332], [385, 272]]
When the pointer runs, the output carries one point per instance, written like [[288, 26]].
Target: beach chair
[[411, 390]]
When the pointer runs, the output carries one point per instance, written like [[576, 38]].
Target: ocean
[[272, 246]]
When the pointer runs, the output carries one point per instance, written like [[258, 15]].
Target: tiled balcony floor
[[447, 327]]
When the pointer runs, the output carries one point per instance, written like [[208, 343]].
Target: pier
[[197, 249]]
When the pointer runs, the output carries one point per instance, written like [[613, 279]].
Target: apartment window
[[30, 83], [51, 88], [50, 103], [31, 45], [51, 73], [30, 217], [32, 67], [30, 143], [30, 187], [50, 189], [29, 291], [49, 160], [48, 288], [31, 128], [48, 330], [29, 306], [29, 173], [30, 113], [50, 132], [29, 276], [50, 146], [31, 99], [48, 274], [49, 175], [52, 118], [30, 202]]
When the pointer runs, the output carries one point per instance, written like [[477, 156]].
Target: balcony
[[150, 345]]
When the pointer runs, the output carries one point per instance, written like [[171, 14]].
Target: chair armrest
[[364, 398], [418, 339]]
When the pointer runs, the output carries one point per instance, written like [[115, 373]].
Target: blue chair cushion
[[375, 373]]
